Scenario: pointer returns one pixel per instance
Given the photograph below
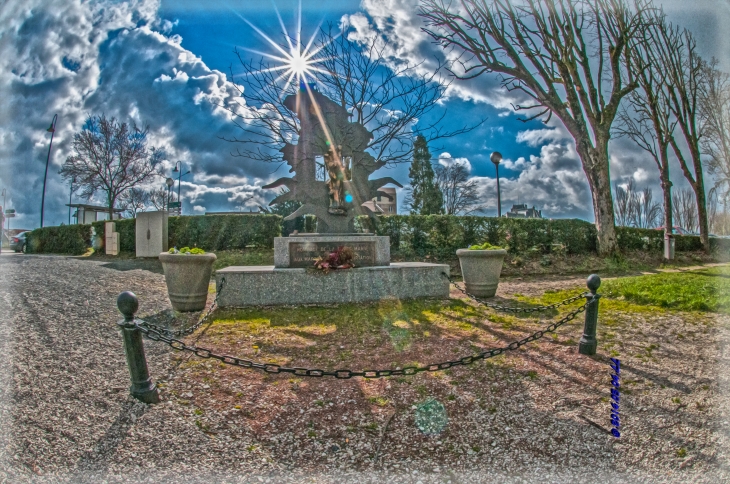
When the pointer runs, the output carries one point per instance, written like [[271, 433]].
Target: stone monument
[[326, 132]]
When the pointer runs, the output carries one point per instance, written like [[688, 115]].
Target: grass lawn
[[698, 290]]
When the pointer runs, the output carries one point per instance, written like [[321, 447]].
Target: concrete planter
[[187, 277], [480, 270]]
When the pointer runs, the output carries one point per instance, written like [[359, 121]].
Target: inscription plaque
[[303, 254]]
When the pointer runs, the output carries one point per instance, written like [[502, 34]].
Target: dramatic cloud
[[79, 58], [445, 159]]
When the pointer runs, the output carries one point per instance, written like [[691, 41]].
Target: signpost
[[174, 207], [10, 213]]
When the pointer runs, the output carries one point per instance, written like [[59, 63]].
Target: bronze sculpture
[[326, 131]]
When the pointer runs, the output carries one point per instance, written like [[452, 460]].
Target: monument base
[[301, 250], [272, 286]]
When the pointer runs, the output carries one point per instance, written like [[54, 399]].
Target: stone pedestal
[[272, 286], [301, 250]]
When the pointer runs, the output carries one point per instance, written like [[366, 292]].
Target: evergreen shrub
[[64, 239], [126, 229], [224, 232]]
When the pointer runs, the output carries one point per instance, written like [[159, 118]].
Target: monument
[[327, 133]]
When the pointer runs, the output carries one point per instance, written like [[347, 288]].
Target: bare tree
[[684, 206], [459, 192], [572, 58], [134, 200], [645, 211], [622, 203], [158, 197], [685, 81], [112, 158], [719, 218], [391, 102], [633, 208], [649, 123], [715, 112]]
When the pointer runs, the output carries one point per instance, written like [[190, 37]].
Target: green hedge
[[224, 232], [442, 235], [410, 235], [64, 239], [126, 229]]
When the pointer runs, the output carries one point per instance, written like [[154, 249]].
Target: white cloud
[[445, 159], [76, 58], [198, 209], [552, 181]]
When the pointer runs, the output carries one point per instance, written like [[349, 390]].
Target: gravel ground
[[66, 416]]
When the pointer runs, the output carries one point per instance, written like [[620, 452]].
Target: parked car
[[676, 230], [17, 242]]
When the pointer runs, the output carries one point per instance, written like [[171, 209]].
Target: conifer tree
[[425, 196]]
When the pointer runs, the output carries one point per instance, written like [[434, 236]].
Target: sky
[[166, 64]]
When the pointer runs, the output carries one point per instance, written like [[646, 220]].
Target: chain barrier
[[190, 329], [517, 310], [156, 335]]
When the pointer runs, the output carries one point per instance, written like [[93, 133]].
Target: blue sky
[[166, 64]]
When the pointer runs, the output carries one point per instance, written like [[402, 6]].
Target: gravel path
[[65, 413]]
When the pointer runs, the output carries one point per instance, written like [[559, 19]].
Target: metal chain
[[190, 329], [515, 310], [156, 335]]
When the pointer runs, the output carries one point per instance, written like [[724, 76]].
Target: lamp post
[[169, 182], [1, 220], [52, 130], [179, 178], [70, 194], [496, 157]]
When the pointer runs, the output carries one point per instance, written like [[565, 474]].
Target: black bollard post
[[142, 387], [588, 342]]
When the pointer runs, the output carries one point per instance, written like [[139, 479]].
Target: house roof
[[93, 208]]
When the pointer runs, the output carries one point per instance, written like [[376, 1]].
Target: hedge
[[410, 235], [442, 235], [126, 229], [64, 239], [224, 232]]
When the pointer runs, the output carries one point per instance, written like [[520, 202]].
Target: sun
[[299, 61]]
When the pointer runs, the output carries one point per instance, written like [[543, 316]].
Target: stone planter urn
[[480, 270], [187, 277]]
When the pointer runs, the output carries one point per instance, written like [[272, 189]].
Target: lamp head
[[496, 157], [51, 128]]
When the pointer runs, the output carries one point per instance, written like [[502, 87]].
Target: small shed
[[85, 214]]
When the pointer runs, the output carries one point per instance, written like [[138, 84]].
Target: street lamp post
[[179, 179], [169, 182], [496, 157], [70, 194], [51, 130]]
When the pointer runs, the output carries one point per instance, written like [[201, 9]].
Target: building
[[85, 214], [382, 204], [521, 211]]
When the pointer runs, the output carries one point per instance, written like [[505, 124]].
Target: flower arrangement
[[339, 259], [484, 246], [187, 251]]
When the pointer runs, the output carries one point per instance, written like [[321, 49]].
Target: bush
[[126, 229], [224, 232], [441, 235], [64, 239]]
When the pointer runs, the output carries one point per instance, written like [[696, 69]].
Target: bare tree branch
[[572, 57], [112, 158]]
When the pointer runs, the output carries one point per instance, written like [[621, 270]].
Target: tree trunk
[[595, 166], [702, 211], [667, 189], [111, 208]]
